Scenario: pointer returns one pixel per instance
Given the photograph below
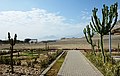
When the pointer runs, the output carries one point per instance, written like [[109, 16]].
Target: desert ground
[[68, 43]]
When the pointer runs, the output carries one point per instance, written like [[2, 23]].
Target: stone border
[[49, 67], [59, 72]]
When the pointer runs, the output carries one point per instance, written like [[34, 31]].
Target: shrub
[[44, 63], [110, 68], [5, 60]]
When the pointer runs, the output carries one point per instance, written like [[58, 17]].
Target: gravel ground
[[19, 71]]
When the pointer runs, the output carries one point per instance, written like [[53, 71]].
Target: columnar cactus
[[12, 43], [88, 35], [107, 23]]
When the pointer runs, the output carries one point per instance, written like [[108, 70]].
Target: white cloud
[[36, 23], [86, 16]]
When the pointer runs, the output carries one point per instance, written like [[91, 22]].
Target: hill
[[116, 29]]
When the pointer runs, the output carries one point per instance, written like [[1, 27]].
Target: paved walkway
[[76, 64]]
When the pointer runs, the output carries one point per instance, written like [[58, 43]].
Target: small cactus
[[88, 35], [12, 43]]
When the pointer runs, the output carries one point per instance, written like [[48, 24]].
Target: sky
[[47, 19]]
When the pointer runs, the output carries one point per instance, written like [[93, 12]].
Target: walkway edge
[[49, 67], [96, 70], [62, 66]]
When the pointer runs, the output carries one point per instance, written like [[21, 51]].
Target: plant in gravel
[[28, 63], [18, 62], [5, 60], [52, 58], [31, 52], [58, 52], [1, 59], [12, 42], [118, 48], [89, 35], [109, 19], [35, 60], [44, 63], [18, 55]]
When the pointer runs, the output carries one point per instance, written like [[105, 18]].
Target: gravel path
[[76, 64]]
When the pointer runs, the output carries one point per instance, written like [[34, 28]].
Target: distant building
[[33, 41], [116, 29]]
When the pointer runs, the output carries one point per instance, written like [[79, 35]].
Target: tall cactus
[[88, 35], [107, 23], [12, 43]]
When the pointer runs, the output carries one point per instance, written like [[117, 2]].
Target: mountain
[[49, 37]]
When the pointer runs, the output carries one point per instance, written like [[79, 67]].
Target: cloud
[[86, 16], [36, 23]]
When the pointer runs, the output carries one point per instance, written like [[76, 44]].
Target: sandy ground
[[71, 43]]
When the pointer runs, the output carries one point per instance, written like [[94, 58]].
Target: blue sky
[[47, 19]]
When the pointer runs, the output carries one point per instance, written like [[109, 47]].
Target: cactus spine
[[12, 43], [88, 35], [102, 28]]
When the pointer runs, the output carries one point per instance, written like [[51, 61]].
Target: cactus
[[88, 35], [102, 28], [12, 43], [18, 54]]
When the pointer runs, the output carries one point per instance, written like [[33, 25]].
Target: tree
[[109, 19], [88, 35], [12, 43]]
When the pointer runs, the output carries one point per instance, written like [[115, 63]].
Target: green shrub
[[5, 60], [18, 62], [44, 63], [110, 68]]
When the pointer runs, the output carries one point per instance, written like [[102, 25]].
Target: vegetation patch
[[29, 62], [55, 68], [110, 68]]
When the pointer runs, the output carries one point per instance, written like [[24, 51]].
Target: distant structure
[[116, 29], [33, 41]]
